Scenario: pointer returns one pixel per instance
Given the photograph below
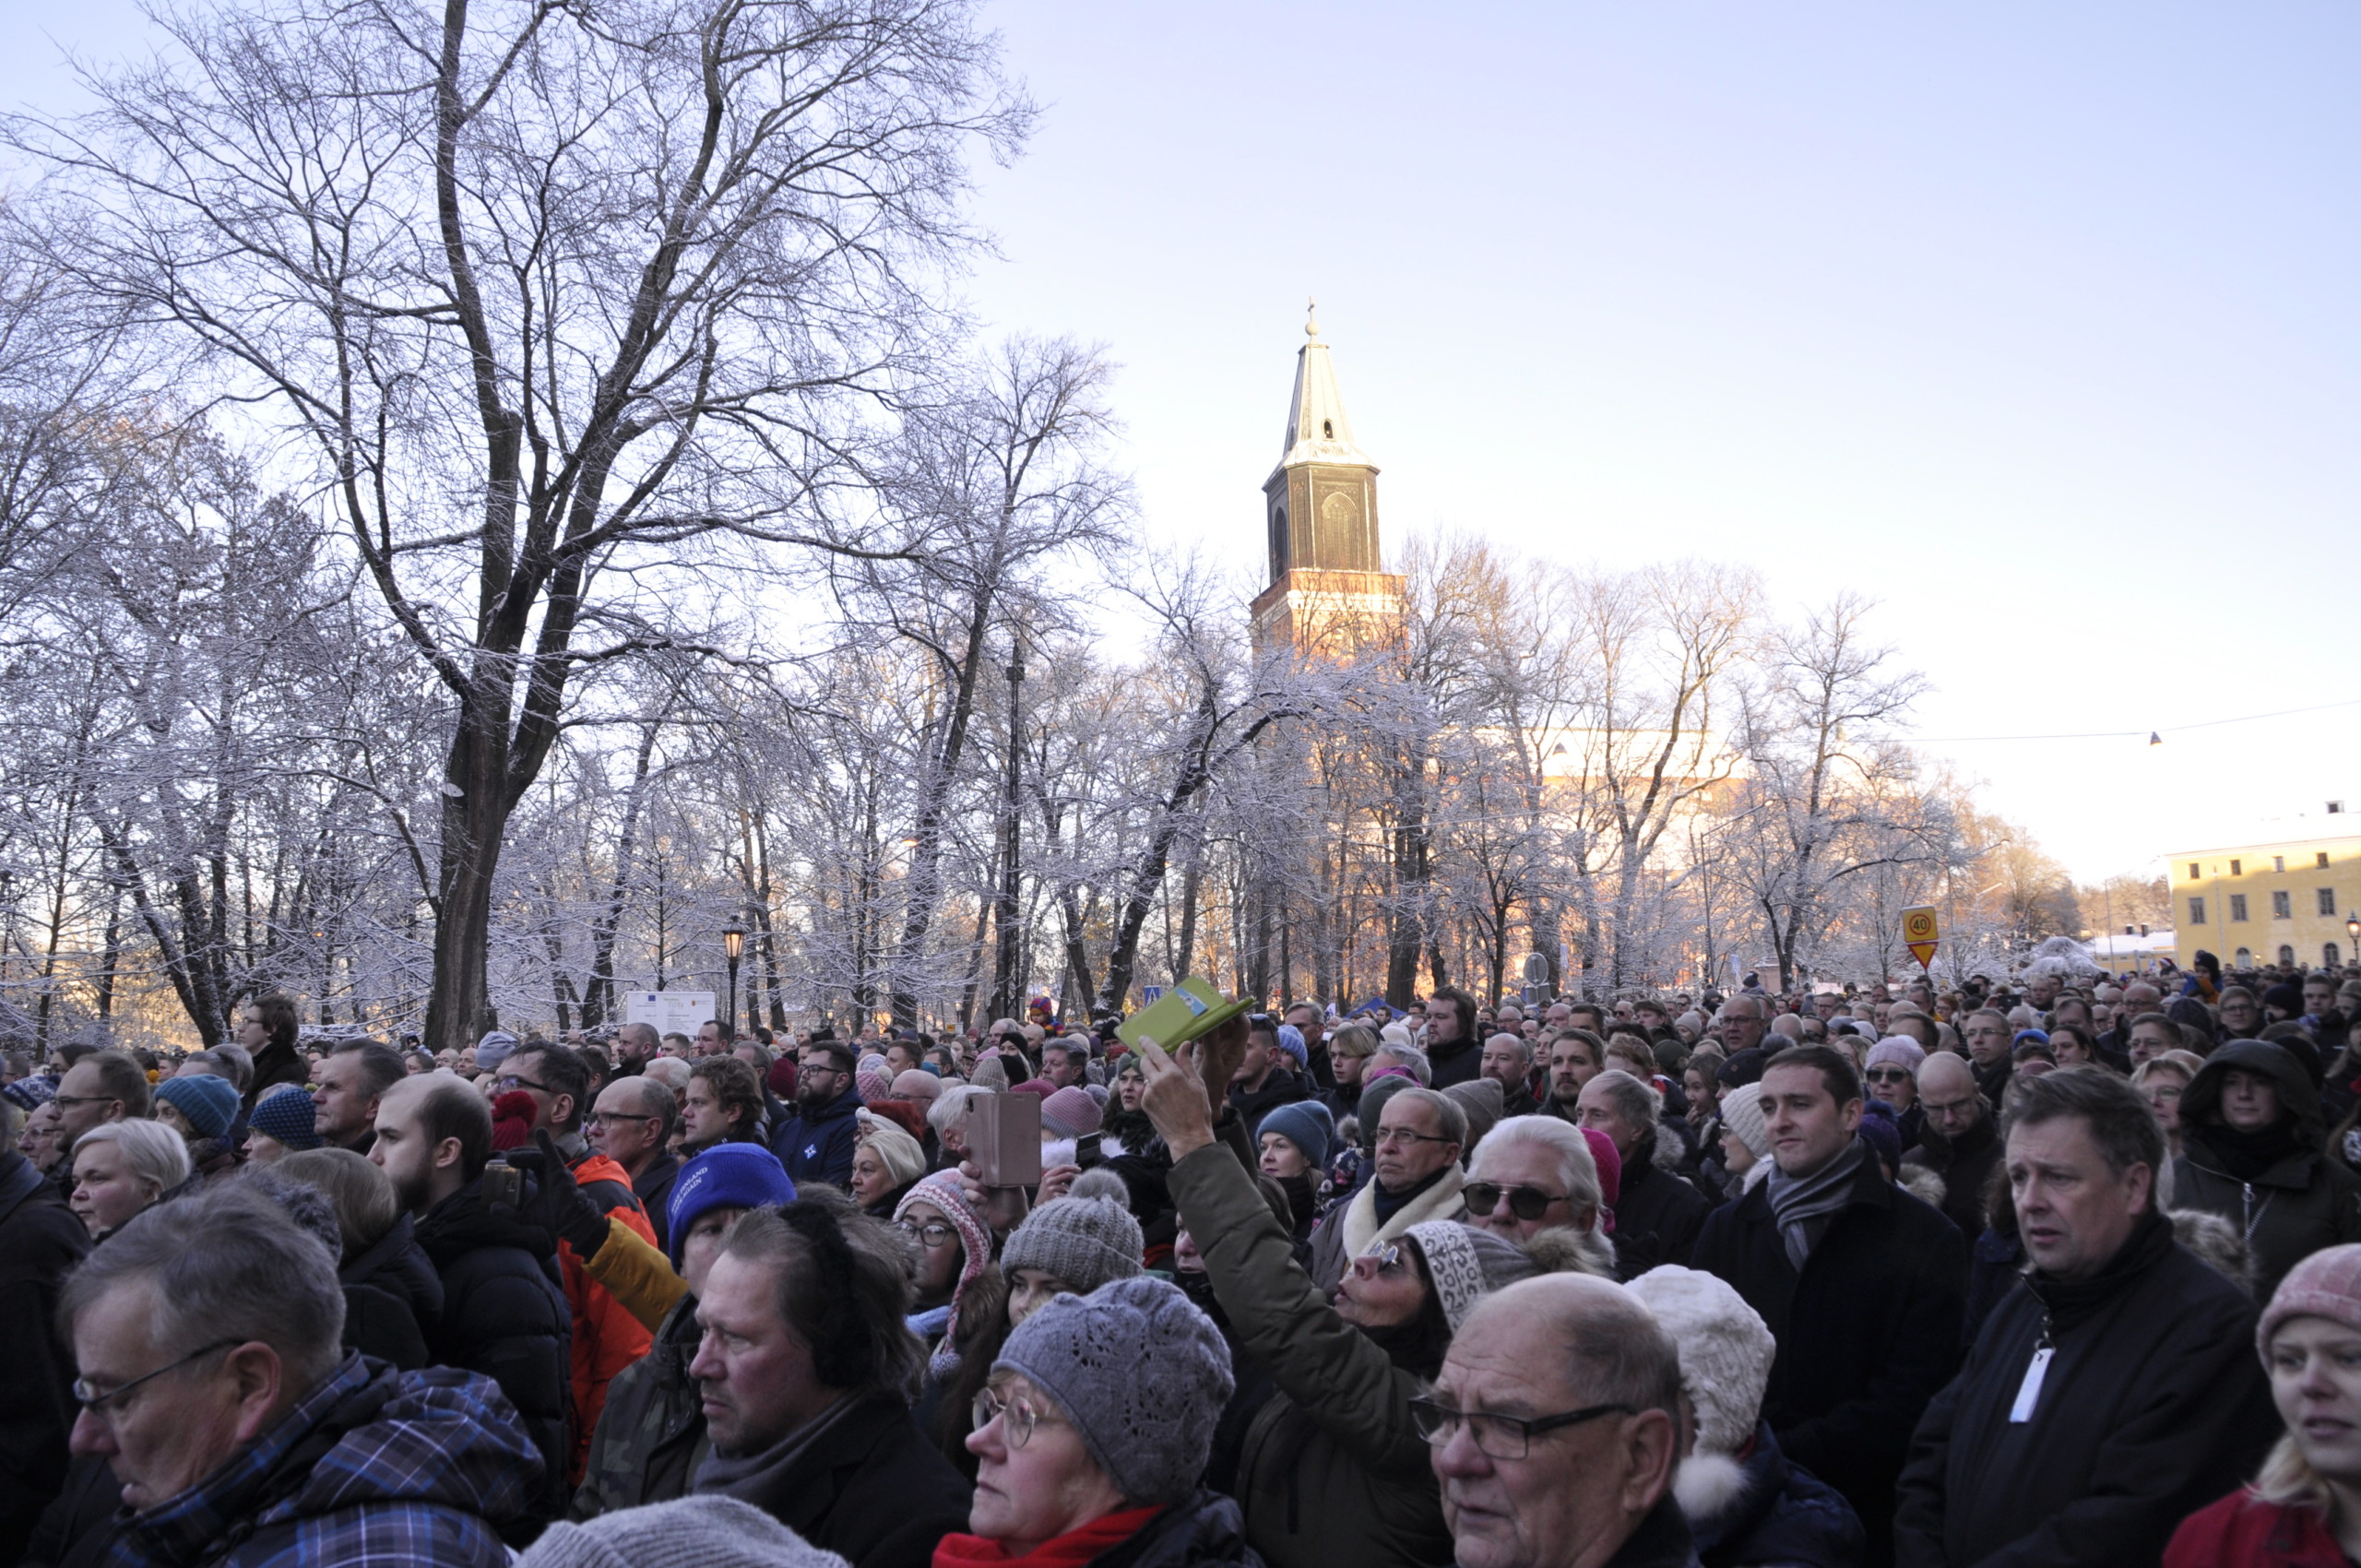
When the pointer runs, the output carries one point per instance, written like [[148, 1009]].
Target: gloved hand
[[557, 1203]]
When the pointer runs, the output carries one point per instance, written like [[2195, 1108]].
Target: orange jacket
[[607, 1337]]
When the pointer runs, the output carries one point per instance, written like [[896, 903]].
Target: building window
[[2279, 863], [2286, 955], [2239, 907], [2280, 906], [2192, 871], [2328, 900], [2329, 954], [2197, 911], [2237, 868], [2321, 860], [2242, 959]]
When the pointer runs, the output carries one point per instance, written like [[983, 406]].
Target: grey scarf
[[1804, 1205], [724, 1474]]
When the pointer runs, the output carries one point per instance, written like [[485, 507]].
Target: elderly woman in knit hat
[[886, 1162], [1890, 1073], [1745, 1502], [1332, 1469], [1091, 1435], [2304, 1508]]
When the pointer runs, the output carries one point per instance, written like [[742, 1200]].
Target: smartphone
[[504, 1183], [1004, 1139]]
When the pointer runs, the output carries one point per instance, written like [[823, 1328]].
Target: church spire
[[1317, 430]]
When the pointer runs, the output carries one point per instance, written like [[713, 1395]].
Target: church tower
[[1328, 593]]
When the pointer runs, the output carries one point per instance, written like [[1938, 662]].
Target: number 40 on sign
[[1921, 930]]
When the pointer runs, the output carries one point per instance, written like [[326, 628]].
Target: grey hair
[[154, 1151], [950, 1106], [1449, 1117], [1577, 1170], [1634, 1101], [240, 1063], [223, 1263], [1409, 1056]]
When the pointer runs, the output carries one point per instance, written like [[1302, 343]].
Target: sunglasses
[[1526, 1203], [1887, 1075]]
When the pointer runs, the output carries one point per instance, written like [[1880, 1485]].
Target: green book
[[1188, 1010]]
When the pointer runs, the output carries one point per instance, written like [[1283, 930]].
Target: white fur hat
[[1726, 1351]]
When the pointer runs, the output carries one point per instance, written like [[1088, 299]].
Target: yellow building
[[2271, 901]]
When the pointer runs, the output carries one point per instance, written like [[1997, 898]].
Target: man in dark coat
[[817, 1144], [1265, 1081], [1451, 1043], [1960, 1143], [1861, 1283], [40, 1240], [504, 1310], [1989, 1036], [2115, 1390], [803, 1367], [2251, 1138]]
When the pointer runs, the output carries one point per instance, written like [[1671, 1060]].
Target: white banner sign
[[672, 1012]]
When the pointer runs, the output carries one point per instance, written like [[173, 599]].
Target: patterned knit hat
[[1465, 1264], [209, 1103], [942, 1190], [1070, 1113], [285, 1115], [872, 1085], [1140, 1373], [1725, 1351], [30, 1094], [1085, 1242], [2327, 1283]]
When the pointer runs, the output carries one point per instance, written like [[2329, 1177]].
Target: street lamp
[[733, 941], [2352, 930]]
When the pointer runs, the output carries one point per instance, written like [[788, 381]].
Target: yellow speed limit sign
[[1921, 930]]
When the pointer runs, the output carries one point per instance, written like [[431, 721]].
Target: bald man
[[1597, 1490], [1959, 1140]]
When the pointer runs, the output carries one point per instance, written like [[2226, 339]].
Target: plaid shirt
[[373, 1466]]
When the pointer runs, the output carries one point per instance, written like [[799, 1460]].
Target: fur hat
[[1085, 1242], [1726, 1351], [1465, 1264], [209, 1103]]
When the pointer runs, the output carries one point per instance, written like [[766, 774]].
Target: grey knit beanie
[[1085, 1242], [711, 1531], [1140, 1373], [1465, 1264]]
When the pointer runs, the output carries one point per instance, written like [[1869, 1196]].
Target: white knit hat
[[1725, 1351], [1742, 1114]]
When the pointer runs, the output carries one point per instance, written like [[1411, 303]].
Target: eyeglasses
[[933, 1233], [1499, 1437], [1526, 1203], [1404, 1135], [604, 1119], [513, 1082], [103, 1403], [1386, 1259], [64, 1100], [1887, 1075], [1018, 1416]]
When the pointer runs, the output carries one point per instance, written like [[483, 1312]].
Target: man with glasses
[[1536, 1174], [817, 1143], [631, 1125], [1554, 1432], [1419, 1134], [213, 1384], [344, 1106], [1960, 1142], [1989, 1036], [105, 1085]]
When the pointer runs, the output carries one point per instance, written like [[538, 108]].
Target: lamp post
[[2352, 930], [733, 941]]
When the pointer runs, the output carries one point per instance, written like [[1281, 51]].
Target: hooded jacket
[[2152, 1401], [1757, 1509], [392, 1298], [504, 1315], [2277, 1187], [817, 1144], [371, 1466]]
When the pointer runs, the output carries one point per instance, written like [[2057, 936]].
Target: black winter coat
[[1464, 1060], [1965, 1163], [874, 1490], [2288, 1202], [504, 1315], [1204, 1531], [651, 1435], [1866, 1333], [392, 1298], [817, 1144], [2153, 1404], [40, 1240], [1658, 1214]]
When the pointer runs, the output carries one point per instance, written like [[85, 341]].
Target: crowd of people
[[2055, 1270]]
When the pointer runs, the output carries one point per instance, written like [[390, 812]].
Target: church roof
[[1318, 430]]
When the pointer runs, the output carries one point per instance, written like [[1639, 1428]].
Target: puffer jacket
[[371, 1466], [392, 1297], [1331, 1470], [1759, 1509], [607, 1337], [2279, 1188], [651, 1436], [505, 1316]]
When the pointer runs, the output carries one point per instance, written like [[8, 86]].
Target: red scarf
[[1069, 1550]]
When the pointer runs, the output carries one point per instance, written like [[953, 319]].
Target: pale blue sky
[[2035, 321]]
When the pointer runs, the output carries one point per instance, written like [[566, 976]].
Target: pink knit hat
[[2327, 1283], [1070, 1113]]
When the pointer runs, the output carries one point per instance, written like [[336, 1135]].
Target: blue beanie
[[1305, 1124], [209, 1103], [1882, 1132], [725, 1176], [1291, 1042], [284, 1116]]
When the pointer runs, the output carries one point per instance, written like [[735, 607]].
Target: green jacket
[[1332, 1470], [651, 1435]]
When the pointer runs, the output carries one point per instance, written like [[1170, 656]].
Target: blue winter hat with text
[[725, 1176]]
